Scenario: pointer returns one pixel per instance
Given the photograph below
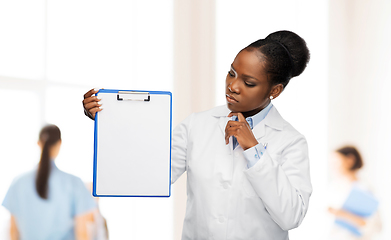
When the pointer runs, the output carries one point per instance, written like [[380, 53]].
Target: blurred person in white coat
[[247, 168], [346, 165]]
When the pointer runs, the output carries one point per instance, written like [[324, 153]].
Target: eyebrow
[[244, 75]]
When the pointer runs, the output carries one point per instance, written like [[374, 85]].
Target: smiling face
[[247, 89]]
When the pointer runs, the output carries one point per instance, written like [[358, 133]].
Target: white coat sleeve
[[179, 149], [284, 184]]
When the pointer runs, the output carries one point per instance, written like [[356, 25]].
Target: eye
[[231, 73], [248, 84]]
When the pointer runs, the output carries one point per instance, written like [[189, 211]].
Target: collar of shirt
[[53, 164], [257, 118]]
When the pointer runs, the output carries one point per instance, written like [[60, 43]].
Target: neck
[[255, 111], [351, 176]]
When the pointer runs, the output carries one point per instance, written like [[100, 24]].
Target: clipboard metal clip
[[133, 96]]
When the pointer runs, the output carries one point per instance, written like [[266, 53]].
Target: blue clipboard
[[132, 144]]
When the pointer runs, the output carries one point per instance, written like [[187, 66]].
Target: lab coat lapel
[[273, 119], [222, 124], [222, 113], [259, 130]]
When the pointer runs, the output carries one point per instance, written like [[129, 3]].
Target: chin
[[230, 107], [233, 108]]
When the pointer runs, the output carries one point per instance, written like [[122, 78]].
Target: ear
[[276, 90]]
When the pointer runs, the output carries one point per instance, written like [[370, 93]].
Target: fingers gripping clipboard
[[132, 144]]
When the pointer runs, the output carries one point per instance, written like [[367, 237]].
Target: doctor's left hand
[[241, 130]]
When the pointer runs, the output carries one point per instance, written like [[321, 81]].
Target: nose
[[234, 86]]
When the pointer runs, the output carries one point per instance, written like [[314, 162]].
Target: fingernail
[[96, 89], [100, 107]]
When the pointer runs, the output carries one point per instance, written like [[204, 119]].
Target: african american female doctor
[[247, 168]]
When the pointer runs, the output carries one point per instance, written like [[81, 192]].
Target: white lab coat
[[225, 199]]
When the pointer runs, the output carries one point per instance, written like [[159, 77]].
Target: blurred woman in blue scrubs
[[47, 203], [347, 164]]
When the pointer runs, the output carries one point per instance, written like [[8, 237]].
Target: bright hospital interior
[[52, 52]]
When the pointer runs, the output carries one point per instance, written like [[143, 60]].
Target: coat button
[[225, 185], [221, 219]]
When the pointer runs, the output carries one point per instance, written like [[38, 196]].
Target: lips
[[230, 98]]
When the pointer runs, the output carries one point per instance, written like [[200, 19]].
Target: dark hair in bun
[[285, 53]]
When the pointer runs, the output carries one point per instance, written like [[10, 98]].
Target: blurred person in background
[[47, 203], [347, 183]]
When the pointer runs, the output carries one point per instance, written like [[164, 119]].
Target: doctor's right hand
[[91, 104]]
